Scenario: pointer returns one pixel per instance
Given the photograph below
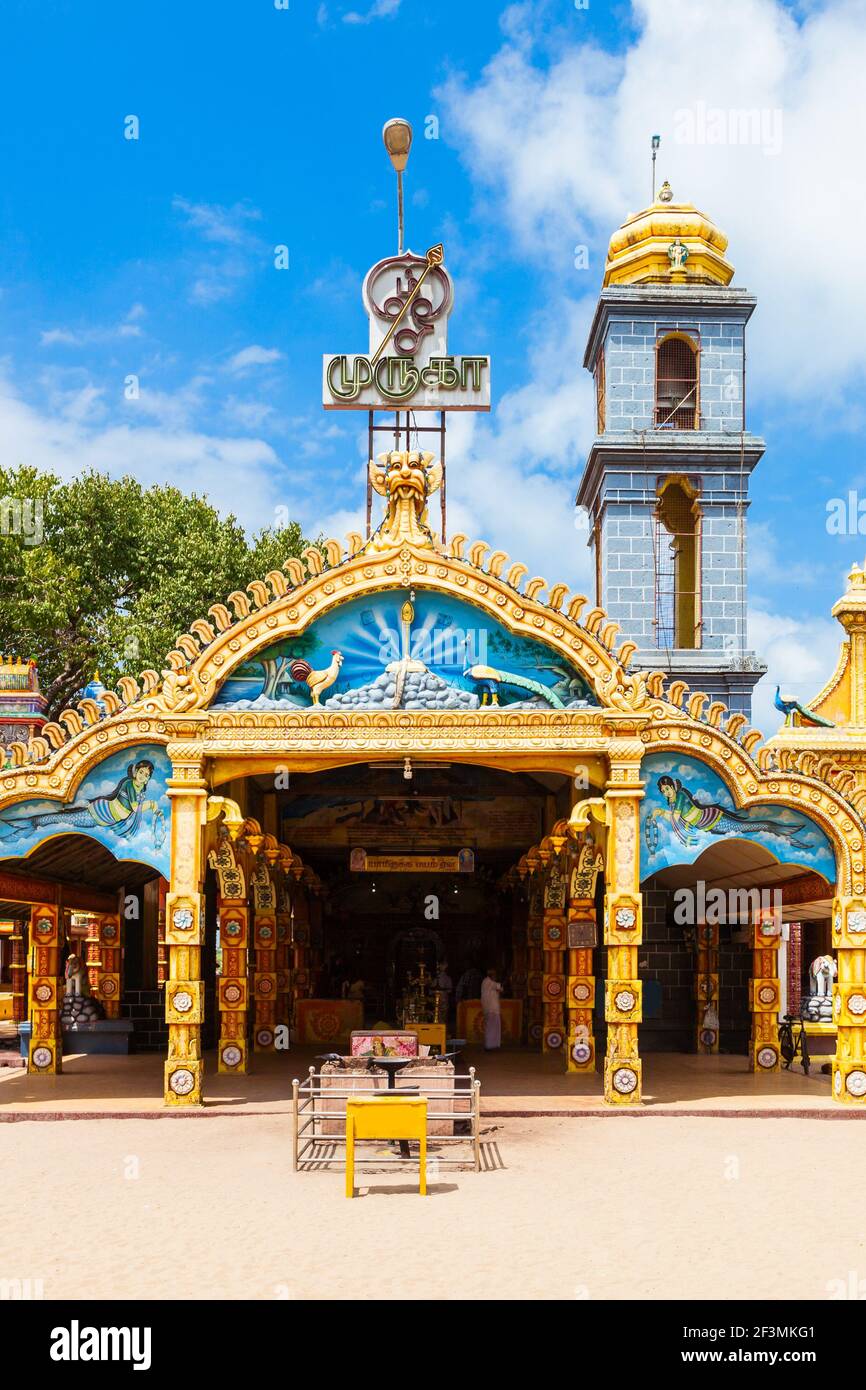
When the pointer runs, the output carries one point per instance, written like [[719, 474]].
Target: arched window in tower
[[676, 545], [677, 405], [599, 392]]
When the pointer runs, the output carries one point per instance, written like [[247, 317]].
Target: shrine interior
[[379, 925]]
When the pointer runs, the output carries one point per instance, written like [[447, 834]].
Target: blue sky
[[261, 126]]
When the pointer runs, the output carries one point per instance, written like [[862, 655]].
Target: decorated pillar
[[283, 959], [93, 954], [707, 987], [623, 925], [535, 956], [582, 936], [553, 945], [109, 986], [765, 991], [794, 967], [184, 929], [18, 968], [45, 1054], [264, 958], [849, 1000], [161, 947], [232, 984]]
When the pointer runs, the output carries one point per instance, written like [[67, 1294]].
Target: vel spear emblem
[[434, 257]]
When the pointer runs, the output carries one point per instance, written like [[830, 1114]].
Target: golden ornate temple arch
[[633, 716]]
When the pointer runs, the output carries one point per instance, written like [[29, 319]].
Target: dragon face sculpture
[[406, 479]]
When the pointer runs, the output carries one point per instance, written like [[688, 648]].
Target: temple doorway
[[72, 909], [411, 855]]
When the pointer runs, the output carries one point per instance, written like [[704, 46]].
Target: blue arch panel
[[457, 657], [122, 803], [687, 807]]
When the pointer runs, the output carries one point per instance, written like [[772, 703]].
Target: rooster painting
[[318, 681]]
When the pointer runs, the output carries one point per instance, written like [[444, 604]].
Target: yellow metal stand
[[430, 1034], [385, 1117]]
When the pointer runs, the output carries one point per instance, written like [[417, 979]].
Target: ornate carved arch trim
[[291, 614], [60, 776]]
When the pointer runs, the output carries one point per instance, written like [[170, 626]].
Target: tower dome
[[668, 244]]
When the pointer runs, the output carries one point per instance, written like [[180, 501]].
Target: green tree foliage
[[102, 573]]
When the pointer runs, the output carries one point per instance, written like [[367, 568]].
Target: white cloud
[[227, 226], [380, 9], [172, 410], [238, 474], [128, 327], [217, 281], [248, 415], [560, 148], [253, 356], [800, 654], [217, 276]]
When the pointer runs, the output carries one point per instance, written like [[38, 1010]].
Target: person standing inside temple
[[491, 989]]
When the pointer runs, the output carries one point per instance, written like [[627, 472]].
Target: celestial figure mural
[[688, 816], [122, 803], [687, 806]]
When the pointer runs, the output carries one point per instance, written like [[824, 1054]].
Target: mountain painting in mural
[[422, 650], [687, 807], [122, 803]]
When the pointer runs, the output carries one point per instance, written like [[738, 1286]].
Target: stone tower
[[666, 482]]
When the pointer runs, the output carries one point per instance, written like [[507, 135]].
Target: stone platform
[[514, 1084], [100, 1035]]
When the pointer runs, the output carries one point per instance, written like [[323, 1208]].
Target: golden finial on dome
[[666, 193]]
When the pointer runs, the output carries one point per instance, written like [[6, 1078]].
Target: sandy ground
[[567, 1208]]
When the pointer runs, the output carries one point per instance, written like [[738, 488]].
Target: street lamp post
[[397, 135]]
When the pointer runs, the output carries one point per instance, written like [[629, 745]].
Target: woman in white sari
[[491, 989]]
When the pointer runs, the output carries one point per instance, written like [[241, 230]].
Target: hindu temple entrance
[[411, 855]]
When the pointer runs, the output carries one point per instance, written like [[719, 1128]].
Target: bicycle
[[792, 1043]]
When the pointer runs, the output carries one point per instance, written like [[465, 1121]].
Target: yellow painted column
[[582, 937], [849, 1000], [265, 958], [764, 1052], [93, 954], [623, 925], [232, 982], [232, 986], [18, 968], [283, 954], [184, 929], [707, 987], [109, 989], [535, 961], [45, 1054], [553, 945]]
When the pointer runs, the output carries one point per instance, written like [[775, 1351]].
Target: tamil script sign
[[354, 382], [408, 299], [363, 863]]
